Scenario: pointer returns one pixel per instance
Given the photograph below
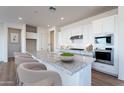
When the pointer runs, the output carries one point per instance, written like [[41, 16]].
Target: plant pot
[[67, 58]]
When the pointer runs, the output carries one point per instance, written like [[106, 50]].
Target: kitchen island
[[78, 51], [73, 73]]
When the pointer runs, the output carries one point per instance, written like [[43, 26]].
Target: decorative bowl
[[67, 57]]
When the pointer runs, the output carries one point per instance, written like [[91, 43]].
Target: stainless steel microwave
[[105, 39]]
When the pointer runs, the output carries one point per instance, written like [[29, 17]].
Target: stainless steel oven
[[104, 56]]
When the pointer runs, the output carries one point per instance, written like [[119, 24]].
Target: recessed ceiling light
[[20, 18], [62, 18], [48, 25], [36, 11]]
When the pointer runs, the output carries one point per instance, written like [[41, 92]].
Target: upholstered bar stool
[[19, 60], [16, 54], [35, 74], [22, 58]]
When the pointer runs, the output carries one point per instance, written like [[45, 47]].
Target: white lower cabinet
[[109, 69]]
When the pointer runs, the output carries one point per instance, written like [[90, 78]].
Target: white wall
[[84, 27], [23, 37], [121, 42], [2, 48], [4, 42], [0, 40]]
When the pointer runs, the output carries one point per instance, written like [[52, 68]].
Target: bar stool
[[35, 74], [22, 58], [19, 60], [16, 54]]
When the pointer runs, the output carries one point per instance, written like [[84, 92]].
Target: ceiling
[[42, 16]]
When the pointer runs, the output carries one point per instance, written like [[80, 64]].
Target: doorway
[[31, 45], [52, 41], [14, 41]]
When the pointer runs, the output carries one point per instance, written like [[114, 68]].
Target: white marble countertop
[[80, 52], [70, 68]]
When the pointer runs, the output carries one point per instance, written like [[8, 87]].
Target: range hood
[[76, 37]]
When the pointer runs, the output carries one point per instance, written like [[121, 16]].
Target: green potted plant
[[67, 57]]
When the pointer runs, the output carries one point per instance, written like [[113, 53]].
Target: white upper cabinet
[[65, 37], [108, 24], [97, 26], [31, 35], [104, 25], [77, 31]]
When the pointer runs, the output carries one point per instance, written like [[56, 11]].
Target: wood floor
[[8, 76], [101, 79]]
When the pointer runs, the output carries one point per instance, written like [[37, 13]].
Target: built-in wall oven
[[104, 56]]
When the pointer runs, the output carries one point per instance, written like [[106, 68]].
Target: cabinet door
[[108, 25], [104, 25], [78, 31], [66, 37], [85, 35], [97, 26]]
